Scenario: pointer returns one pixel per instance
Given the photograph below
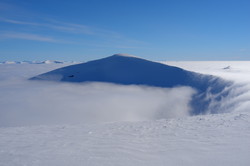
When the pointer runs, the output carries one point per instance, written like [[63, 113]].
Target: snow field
[[213, 139], [221, 139]]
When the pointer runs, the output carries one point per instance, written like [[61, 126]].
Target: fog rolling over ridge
[[122, 69], [47, 99]]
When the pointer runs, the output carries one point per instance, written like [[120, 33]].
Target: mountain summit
[[130, 70], [127, 69]]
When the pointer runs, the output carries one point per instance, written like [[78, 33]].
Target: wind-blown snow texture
[[213, 139], [130, 70]]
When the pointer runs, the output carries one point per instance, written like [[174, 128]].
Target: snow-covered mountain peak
[[123, 55], [125, 69], [119, 69]]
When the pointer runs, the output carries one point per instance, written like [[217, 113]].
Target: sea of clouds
[[26, 103]]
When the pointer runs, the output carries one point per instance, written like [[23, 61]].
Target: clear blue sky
[[152, 29]]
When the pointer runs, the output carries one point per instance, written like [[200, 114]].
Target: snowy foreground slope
[[35, 131], [202, 140]]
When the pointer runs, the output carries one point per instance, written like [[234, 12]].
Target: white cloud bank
[[25, 102], [237, 71], [30, 103]]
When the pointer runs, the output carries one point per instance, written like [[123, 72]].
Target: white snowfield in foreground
[[61, 124]]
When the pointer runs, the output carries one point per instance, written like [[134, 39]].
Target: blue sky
[[152, 29]]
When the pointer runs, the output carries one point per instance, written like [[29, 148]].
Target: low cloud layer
[[24, 103], [31, 102], [238, 98]]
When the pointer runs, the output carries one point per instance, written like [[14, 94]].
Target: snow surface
[[35, 131], [125, 55]]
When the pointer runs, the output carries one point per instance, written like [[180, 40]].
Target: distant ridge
[[130, 70], [35, 62]]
